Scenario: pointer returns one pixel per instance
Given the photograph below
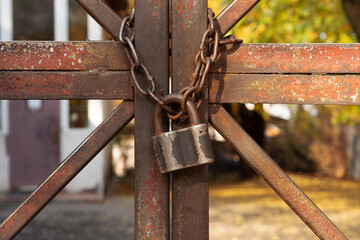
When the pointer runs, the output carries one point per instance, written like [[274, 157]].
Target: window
[[33, 20], [78, 113], [77, 22], [78, 109]]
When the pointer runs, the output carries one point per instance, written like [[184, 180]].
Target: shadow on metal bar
[[69, 168], [256, 157]]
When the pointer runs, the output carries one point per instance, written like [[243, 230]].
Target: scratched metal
[[289, 58], [100, 56], [151, 187], [68, 169], [66, 85], [285, 89], [190, 196], [186, 147], [232, 14], [273, 175], [105, 16]]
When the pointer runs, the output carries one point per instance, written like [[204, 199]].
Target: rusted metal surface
[[207, 54], [151, 187], [232, 14], [244, 58], [286, 89], [101, 71], [65, 85], [100, 55], [289, 58], [105, 16], [69, 168], [190, 196], [183, 148], [273, 175]]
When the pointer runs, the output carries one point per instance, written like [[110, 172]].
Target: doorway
[[33, 141]]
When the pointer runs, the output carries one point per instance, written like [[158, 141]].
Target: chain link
[[207, 54], [136, 66]]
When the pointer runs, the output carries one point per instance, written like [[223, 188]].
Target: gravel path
[[61, 220], [238, 210]]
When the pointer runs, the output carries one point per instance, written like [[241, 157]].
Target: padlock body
[[183, 148]]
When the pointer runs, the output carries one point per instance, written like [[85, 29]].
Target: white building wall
[[92, 177], [4, 157], [6, 34]]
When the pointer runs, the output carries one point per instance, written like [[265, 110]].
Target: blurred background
[[318, 146]]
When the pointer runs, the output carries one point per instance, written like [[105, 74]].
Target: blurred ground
[[60, 220], [251, 210], [246, 210]]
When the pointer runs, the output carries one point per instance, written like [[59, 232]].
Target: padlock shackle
[[174, 98]]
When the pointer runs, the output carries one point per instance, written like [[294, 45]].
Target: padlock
[[182, 148]]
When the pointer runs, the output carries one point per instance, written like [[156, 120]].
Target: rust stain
[[185, 8], [276, 88], [65, 85], [156, 8], [62, 56], [150, 194], [289, 58]]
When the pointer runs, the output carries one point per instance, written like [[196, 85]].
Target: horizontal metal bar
[[232, 14], [245, 88], [105, 16], [69, 168], [103, 55], [288, 58], [273, 175], [286, 89], [244, 58], [65, 85]]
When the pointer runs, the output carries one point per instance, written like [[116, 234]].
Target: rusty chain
[[207, 54]]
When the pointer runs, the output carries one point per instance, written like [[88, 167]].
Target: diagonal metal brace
[[105, 16], [111, 21], [69, 168], [232, 14], [278, 180]]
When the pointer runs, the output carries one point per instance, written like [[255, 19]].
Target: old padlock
[[183, 148]]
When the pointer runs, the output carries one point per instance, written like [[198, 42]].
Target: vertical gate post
[[151, 187], [190, 194]]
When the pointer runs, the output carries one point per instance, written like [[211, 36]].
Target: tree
[[335, 141], [352, 9]]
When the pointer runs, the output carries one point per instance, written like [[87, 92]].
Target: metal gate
[[272, 73]]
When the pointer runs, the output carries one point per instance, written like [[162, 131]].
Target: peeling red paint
[[185, 8], [62, 56], [156, 8], [289, 58], [276, 88], [151, 194], [65, 85]]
